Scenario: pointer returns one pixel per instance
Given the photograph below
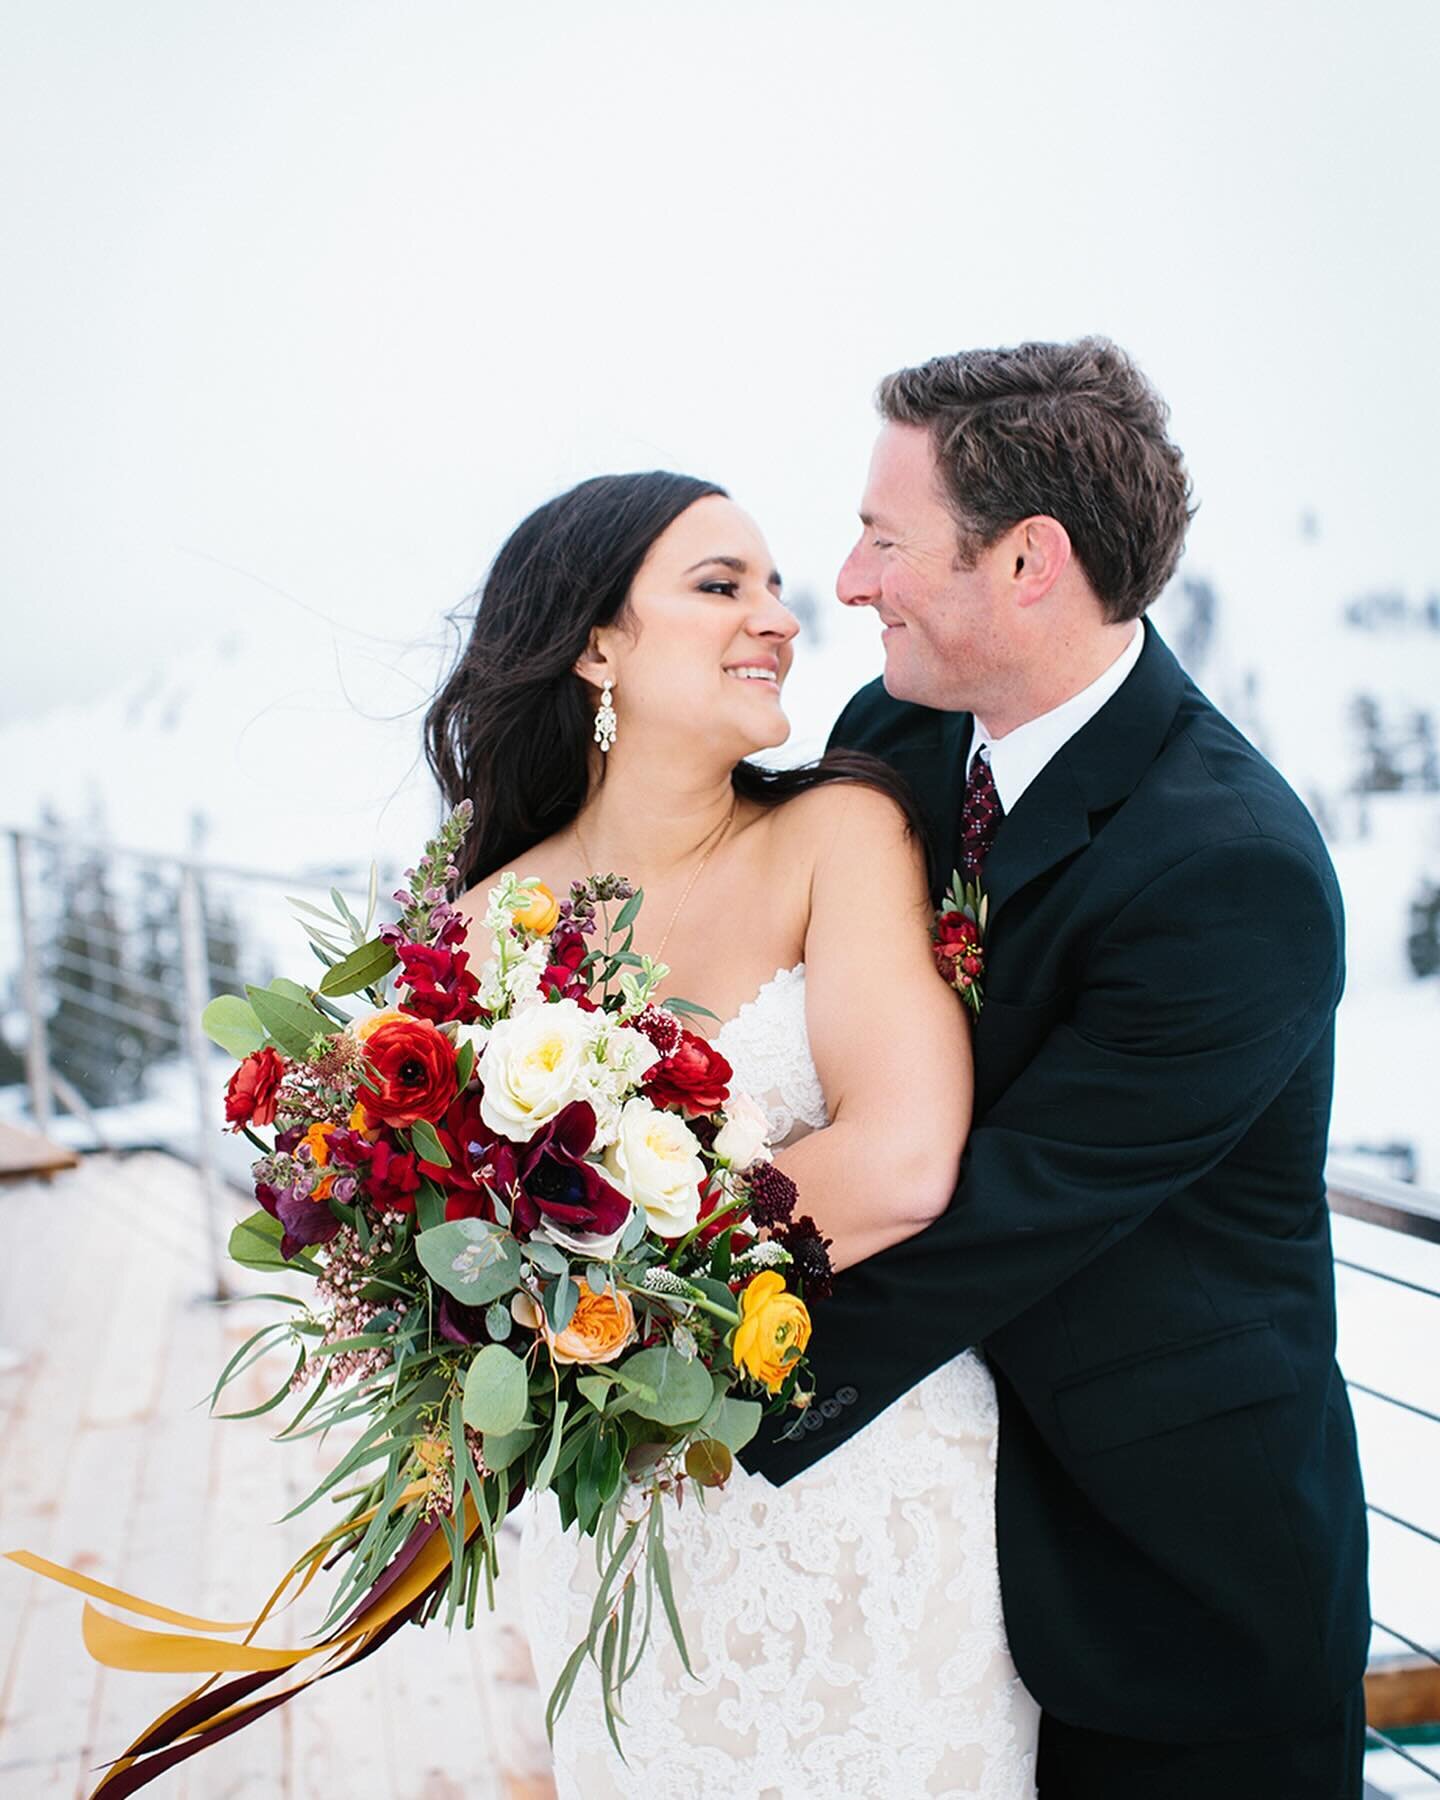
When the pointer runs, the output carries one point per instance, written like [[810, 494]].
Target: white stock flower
[[655, 1159], [533, 1067], [744, 1138], [620, 1062]]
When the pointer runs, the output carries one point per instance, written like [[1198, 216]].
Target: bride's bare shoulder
[[850, 816]]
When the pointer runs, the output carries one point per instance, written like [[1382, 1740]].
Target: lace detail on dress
[[845, 1629], [767, 1046]]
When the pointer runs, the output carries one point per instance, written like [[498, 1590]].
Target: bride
[[629, 652]]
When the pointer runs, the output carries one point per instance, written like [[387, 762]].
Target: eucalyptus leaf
[[362, 968], [345, 913], [682, 1389], [595, 1389], [497, 1391], [736, 1423], [315, 912], [293, 990], [429, 1204], [630, 911], [561, 1299], [427, 1145], [689, 1009], [499, 1320], [293, 1024], [501, 1448], [548, 1256], [231, 1023], [470, 1258], [552, 1450], [255, 1244]]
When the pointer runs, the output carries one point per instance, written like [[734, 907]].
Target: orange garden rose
[[599, 1329], [540, 915], [772, 1321]]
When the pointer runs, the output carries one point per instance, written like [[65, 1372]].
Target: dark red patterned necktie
[[981, 817]]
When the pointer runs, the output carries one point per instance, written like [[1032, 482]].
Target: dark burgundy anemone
[[556, 1182], [305, 1221], [459, 1323]]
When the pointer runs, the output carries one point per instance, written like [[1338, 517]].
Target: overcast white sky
[[322, 295]]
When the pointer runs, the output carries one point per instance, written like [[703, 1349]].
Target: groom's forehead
[[902, 469]]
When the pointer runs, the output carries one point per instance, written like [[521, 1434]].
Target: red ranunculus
[[251, 1092], [413, 1067], [440, 982], [694, 1077]]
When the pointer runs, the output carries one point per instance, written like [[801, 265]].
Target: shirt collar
[[1018, 757]]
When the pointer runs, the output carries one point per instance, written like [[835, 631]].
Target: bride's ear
[[593, 665]]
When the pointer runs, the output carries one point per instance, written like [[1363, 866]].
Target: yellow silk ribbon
[[118, 1645]]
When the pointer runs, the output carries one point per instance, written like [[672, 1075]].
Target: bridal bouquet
[[547, 1250]]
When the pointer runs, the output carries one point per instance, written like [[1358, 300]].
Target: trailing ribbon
[[415, 1574]]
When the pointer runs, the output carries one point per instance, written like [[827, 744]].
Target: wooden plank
[[26, 1154], [107, 1462], [1405, 1692]]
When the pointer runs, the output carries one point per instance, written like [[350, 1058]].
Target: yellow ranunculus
[[772, 1321], [540, 915]]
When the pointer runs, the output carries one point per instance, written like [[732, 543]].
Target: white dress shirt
[[1018, 757]]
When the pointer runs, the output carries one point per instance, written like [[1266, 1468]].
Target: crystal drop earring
[[605, 720]]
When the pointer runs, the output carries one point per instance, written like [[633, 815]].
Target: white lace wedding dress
[[845, 1628]]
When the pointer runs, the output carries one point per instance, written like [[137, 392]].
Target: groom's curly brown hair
[[1074, 431]]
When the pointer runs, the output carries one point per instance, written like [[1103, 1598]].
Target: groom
[[1139, 1240]]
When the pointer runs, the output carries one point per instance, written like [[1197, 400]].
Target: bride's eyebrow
[[738, 565]]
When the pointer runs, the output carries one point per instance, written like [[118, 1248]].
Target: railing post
[[37, 1051], [194, 964]]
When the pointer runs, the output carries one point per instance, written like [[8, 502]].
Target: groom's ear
[[1039, 553]]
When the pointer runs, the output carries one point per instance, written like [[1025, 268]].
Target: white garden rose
[[533, 1067], [595, 1246], [745, 1136], [655, 1159]]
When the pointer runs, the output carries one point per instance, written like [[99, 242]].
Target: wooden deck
[[108, 1465]]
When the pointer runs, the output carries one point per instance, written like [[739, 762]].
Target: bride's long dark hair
[[510, 729]]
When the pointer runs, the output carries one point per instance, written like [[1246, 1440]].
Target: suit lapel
[[1093, 772]]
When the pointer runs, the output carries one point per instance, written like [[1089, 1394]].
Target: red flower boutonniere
[[958, 935]]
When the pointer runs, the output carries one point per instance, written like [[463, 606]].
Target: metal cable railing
[[114, 954], [1411, 1214]]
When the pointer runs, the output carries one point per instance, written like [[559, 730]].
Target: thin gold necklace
[[689, 885]]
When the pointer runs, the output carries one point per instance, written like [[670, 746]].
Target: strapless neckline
[[757, 999], [768, 1049]]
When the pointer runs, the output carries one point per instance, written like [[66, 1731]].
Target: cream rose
[[655, 1159], [533, 1067], [745, 1136]]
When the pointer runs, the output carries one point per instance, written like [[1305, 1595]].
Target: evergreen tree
[[1423, 944]]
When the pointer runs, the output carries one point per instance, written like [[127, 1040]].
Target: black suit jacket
[[1140, 1238]]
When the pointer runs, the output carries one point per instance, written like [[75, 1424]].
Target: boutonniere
[[958, 935]]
